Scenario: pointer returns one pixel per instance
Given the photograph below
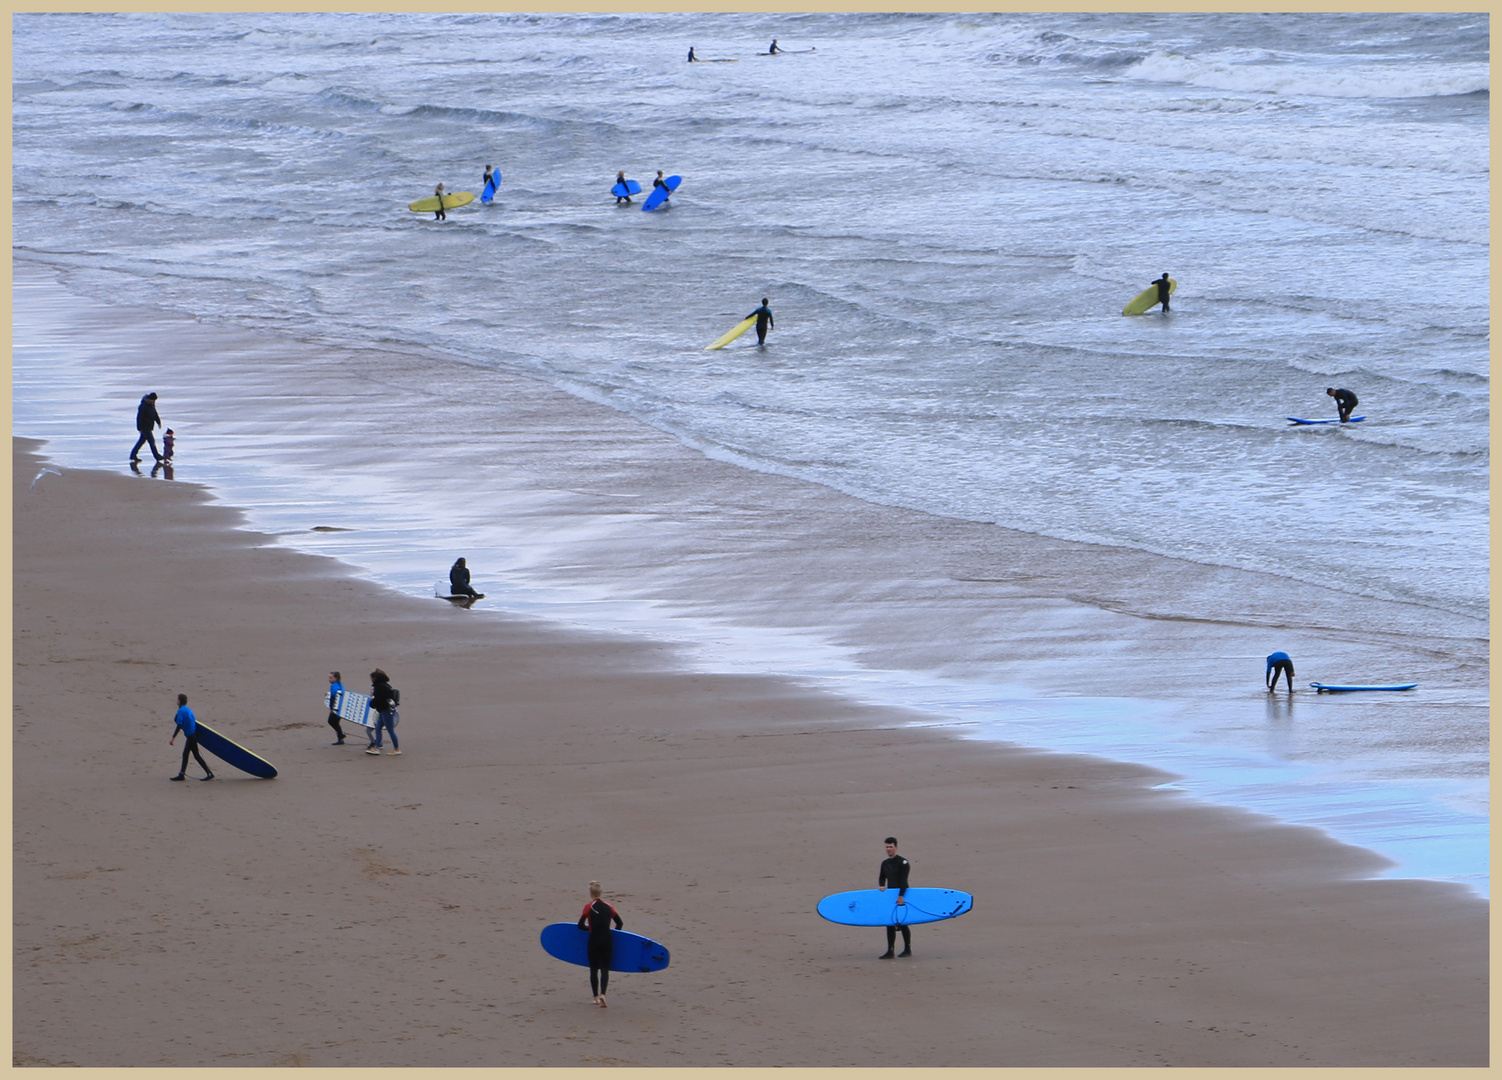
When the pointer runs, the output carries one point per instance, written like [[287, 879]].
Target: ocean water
[[947, 213]]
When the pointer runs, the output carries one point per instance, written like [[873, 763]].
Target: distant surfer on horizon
[[1345, 401], [459, 580], [620, 178], [1276, 662], [597, 918], [764, 321], [894, 872], [439, 215], [1163, 289]]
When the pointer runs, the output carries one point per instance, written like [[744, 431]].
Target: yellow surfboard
[[1147, 298], [451, 200], [739, 329]]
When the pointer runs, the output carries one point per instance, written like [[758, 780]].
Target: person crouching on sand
[[597, 918]]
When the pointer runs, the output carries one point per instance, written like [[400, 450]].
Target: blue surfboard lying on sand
[[660, 195], [628, 952], [872, 907], [1323, 689], [1352, 420], [629, 188], [232, 753]]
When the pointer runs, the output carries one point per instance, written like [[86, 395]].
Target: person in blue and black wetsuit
[[894, 872], [597, 918], [764, 321], [1276, 662], [187, 723]]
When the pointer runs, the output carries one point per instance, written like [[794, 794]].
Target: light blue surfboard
[[660, 195], [1323, 689], [872, 907], [1352, 420], [628, 952], [232, 753], [630, 187]]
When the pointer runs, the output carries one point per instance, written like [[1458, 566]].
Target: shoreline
[[568, 509], [715, 808]]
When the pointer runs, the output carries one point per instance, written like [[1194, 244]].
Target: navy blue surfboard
[[1324, 689], [232, 753], [660, 195], [1352, 420], [628, 952]]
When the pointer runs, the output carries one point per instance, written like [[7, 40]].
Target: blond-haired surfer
[[597, 918]]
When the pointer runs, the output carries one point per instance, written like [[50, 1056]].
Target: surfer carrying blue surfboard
[[661, 183], [1276, 662], [185, 722], [597, 918], [764, 320], [1345, 401], [620, 180], [894, 872]]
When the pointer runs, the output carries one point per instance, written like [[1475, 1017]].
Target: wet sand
[[333, 917]]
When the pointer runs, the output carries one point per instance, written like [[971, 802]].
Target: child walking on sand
[[167, 445]]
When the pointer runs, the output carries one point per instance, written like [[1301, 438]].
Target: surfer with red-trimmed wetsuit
[[597, 918], [894, 872]]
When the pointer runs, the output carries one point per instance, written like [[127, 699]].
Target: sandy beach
[[364, 911]]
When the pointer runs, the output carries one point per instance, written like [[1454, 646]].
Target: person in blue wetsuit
[[1345, 401], [1276, 662], [597, 918], [894, 872], [187, 723], [692, 59], [764, 321], [773, 50]]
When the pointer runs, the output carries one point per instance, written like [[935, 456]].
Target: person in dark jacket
[[1163, 289], [384, 699], [764, 321], [146, 419], [1345, 401], [459, 581], [597, 918]]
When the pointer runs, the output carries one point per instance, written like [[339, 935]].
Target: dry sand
[[363, 911]]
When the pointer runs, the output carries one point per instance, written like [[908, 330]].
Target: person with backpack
[[384, 698]]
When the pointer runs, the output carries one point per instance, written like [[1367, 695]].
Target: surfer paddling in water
[[597, 918], [894, 872]]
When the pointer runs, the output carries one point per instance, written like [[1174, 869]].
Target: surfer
[[335, 689], [488, 184], [894, 871], [1276, 662], [764, 321], [384, 699], [620, 178], [1345, 401], [1163, 288], [692, 59], [773, 50], [459, 581], [146, 419], [661, 183], [439, 215], [187, 723], [597, 918]]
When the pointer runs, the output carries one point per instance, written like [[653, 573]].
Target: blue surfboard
[[660, 195], [232, 753], [628, 952], [872, 907], [490, 187], [1352, 420], [1323, 689], [630, 187]]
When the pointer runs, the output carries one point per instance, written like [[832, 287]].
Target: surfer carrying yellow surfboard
[[763, 317], [439, 215], [1164, 287]]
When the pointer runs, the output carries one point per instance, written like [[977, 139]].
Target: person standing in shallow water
[[894, 872], [439, 215], [146, 420], [597, 918], [1163, 290], [764, 321]]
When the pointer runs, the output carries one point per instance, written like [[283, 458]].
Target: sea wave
[[1373, 81]]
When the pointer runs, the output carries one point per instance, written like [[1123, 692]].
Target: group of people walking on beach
[[384, 699]]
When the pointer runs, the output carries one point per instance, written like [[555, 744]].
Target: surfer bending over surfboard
[[764, 321], [894, 871], [598, 916], [1345, 401], [1276, 662]]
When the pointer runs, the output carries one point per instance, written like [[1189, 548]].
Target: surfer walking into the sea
[[894, 872], [438, 214], [1345, 401], [1163, 289], [764, 321], [661, 183], [620, 180], [597, 918], [1276, 662]]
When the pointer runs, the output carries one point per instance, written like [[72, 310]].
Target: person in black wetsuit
[[894, 872], [692, 59], [439, 215], [597, 918], [459, 581], [1163, 288], [764, 320], [1345, 401]]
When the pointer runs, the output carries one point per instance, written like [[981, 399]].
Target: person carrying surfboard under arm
[[894, 871], [1164, 287], [620, 178], [439, 215], [661, 183], [1345, 401], [764, 321], [597, 918]]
